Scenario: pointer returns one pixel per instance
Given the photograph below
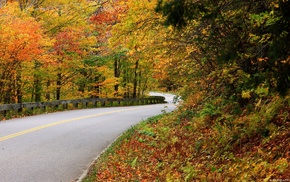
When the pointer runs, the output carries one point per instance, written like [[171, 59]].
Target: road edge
[[85, 173]]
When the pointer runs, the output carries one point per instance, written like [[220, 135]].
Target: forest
[[228, 60], [52, 50]]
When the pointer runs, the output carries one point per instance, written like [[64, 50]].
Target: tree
[[104, 19], [138, 32], [70, 48], [238, 32], [67, 22], [22, 40]]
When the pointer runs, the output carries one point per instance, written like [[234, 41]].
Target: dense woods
[[244, 39], [52, 50], [66, 49]]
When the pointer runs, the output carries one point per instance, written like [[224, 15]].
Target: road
[[170, 98], [60, 146]]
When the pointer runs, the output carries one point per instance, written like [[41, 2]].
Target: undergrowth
[[212, 141]]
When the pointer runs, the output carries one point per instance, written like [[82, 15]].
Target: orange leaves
[[21, 40], [39, 43], [21, 37]]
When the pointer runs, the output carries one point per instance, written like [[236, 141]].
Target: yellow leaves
[[262, 153], [286, 61], [262, 59], [204, 32], [275, 4], [262, 90], [12, 9], [282, 164], [109, 82], [131, 52], [60, 14], [246, 94]]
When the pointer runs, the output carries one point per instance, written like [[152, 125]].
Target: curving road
[[170, 98], [60, 146]]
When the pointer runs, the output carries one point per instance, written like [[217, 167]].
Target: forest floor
[[204, 142]]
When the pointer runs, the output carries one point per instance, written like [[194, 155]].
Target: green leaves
[[134, 162], [228, 32]]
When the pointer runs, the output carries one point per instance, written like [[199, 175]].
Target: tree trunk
[[97, 87], [19, 94], [135, 81], [117, 75], [47, 95], [58, 86], [37, 87]]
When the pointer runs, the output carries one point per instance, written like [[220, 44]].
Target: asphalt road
[[170, 98], [60, 146]]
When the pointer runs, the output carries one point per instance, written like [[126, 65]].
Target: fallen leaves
[[188, 150]]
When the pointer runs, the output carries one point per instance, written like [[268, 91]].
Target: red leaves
[[109, 13], [108, 18], [132, 161], [67, 42]]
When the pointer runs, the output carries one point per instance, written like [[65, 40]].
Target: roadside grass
[[212, 141]]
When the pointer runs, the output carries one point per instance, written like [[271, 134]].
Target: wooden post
[[103, 103], [4, 113]]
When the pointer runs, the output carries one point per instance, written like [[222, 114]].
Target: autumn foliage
[[182, 148], [53, 50], [22, 41]]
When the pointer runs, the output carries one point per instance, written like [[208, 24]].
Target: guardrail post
[[84, 104], [109, 102], [95, 103], [43, 106], [20, 109], [64, 104], [4, 113], [103, 103]]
